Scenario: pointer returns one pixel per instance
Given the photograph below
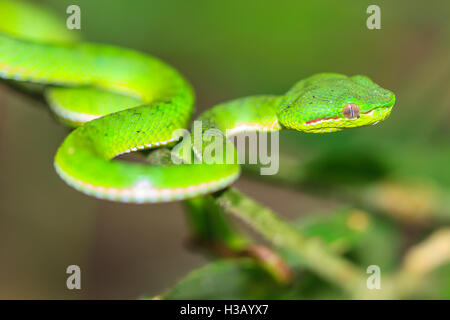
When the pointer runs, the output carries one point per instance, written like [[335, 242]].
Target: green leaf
[[342, 230], [209, 223], [381, 245], [227, 279], [437, 284]]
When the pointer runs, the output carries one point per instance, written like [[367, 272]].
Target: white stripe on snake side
[[143, 191]]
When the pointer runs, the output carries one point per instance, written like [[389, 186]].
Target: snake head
[[331, 102]]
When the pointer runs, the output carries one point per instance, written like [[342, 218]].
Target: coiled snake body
[[120, 100]]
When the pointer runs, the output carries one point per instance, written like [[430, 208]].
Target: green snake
[[119, 100]]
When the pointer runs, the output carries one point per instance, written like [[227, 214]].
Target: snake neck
[[212, 128], [255, 113]]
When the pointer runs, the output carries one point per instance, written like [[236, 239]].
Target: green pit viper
[[119, 101]]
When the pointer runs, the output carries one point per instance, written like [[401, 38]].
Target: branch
[[313, 253]]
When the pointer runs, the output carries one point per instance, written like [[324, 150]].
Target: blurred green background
[[226, 49]]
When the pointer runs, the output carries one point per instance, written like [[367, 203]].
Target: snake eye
[[351, 111]]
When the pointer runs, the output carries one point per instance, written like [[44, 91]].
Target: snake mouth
[[337, 123], [338, 118]]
